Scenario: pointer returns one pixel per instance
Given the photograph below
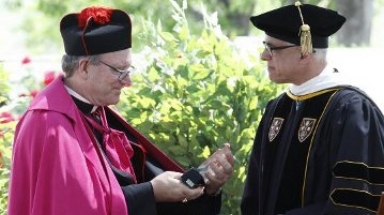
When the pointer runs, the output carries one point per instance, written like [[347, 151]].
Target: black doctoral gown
[[321, 153]]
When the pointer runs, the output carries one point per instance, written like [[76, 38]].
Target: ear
[[83, 68], [305, 58]]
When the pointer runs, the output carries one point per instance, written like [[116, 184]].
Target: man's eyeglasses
[[270, 48], [121, 73]]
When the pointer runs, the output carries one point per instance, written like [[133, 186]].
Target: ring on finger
[[185, 200]]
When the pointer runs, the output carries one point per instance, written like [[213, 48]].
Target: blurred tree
[[233, 17], [359, 14], [357, 29]]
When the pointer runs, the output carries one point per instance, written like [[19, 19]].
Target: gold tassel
[[305, 34], [305, 40]]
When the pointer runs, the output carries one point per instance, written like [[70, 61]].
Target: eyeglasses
[[270, 48], [122, 73]]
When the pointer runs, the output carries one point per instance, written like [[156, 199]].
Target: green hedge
[[196, 92], [6, 138]]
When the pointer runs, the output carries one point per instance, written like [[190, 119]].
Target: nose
[[127, 82], [265, 55]]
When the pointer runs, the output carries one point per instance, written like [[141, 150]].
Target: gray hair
[[320, 55], [70, 63]]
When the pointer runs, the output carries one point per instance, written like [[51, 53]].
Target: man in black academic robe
[[319, 148]]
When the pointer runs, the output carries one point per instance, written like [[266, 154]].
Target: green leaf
[[168, 37]]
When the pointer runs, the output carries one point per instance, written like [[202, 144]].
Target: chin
[[272, 78], [276, 80], [114, 102]]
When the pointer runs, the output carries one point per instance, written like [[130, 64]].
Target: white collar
[[326, 79], [79, 97]]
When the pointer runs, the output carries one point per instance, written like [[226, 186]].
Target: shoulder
[[352, 103], [40, 125], [39, 118], [350, 95]]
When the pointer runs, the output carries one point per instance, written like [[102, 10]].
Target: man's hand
[[219, 169], [167, 187]]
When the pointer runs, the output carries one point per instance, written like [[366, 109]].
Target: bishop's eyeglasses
[[121, 73]]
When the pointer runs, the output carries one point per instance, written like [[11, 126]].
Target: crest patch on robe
[[274, 130], [306, 128]]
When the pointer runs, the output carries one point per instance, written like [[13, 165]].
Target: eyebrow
[[274, 45], [119, 66]]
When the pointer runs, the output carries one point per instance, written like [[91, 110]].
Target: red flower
[[49, 77], [26, 60], [22, 95], [6, 117], [34, 93]]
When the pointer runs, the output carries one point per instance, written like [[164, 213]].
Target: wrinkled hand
[[167, 187], [219, 169]]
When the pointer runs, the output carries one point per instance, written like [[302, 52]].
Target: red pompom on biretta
[[96, 30], [100, 15]]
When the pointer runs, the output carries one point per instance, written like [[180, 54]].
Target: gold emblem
[[275, 128], [306, 128]]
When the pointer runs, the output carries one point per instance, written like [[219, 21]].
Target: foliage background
[[6, 135], [196, 89], [198, 92]]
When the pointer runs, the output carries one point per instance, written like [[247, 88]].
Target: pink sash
[[118, 148]]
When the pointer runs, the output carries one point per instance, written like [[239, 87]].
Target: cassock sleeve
[[140, 199], [204, 205]]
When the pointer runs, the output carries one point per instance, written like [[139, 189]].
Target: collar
[[326, 79], [82, 103]]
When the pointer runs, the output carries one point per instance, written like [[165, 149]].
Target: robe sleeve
[[350, 147], [358, 161], [354, 131], [251, 199]]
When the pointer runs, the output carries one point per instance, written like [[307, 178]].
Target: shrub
[[6, 137], [7, 125], [196, 92], [11, 107]]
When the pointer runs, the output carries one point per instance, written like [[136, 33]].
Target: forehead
[[119, 57], [274, 41]]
